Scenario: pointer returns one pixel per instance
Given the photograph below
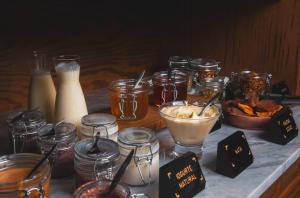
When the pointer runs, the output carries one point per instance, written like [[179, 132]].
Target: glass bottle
[[64, 135], [70, 103], [15, 167]]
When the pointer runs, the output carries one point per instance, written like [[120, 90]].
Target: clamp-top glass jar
[[90, 165], [206, 69], [99, 124], [64, 135], [14, 168], [127, 102], [144, 166], [169, 86], [23, 127]]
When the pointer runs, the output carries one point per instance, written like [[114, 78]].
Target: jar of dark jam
[[169, 87], [62, 159], [100, 164], [206, 69], [23, 128], [127, 102]]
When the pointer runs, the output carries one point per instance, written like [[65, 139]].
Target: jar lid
[[98, 119], [109, 150], [127, 86], [179, 60], [59, 133], [204, 63], [143, 139], [175, 77]]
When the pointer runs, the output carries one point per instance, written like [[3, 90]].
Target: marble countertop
[[270, 162]]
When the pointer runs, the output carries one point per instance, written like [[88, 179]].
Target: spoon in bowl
[[211, 100]]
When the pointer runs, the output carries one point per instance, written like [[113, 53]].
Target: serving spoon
[[139, 80], [216, 96]]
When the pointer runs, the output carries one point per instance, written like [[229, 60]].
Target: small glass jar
[[23, 128], [96, 165], [144, 166], [64, 135], [127, 102], [14, 168], [206, 69], [169, 87], [99, 188], [99, 124]]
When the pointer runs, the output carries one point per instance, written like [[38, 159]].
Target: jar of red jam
[[23, 128], [62, 159], [14, 168], [169, 86], [129, 102], [206, 69], [100, 188]]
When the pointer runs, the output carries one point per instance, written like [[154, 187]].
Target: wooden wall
[[118, 39]]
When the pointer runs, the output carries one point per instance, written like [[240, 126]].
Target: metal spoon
[[209, 102], [139, 80]]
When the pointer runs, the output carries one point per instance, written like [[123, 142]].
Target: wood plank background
[[118, 39]]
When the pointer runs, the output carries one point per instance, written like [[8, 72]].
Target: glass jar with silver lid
[[144, 166], [100, 164], [206, 69], [23, 129], [99, 124]]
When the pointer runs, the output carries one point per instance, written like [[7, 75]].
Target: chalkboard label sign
[[181, 178], [234, 155], [282, 128]]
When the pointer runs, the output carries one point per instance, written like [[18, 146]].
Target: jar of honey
[[23, 128], [169, 86], [62, 159], [206, 69], [13, 170], [99, 124], [128, 102], [101, 163]]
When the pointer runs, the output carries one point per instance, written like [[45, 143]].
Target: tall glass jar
[[64, 135], [95, 165], [169, 87], [206, 69], [14, 168], [182, 64], [127, 102], [144, 166], [99, 124], [23, 128]]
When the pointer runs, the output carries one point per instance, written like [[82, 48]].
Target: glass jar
[[64, 135], [127, 102], [206, 69], [96, 165], [23, 128], [99, 188], [182, 64], [102, 124], [144, 166], [14, 168], [169, 87], [207, 90]]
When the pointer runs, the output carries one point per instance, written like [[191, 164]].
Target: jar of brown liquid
[[127, 102], [14, 168], [206, 69], [169, 87]]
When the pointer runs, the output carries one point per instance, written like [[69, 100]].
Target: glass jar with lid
[[99, 124], [90, 165], [206, 69], [15, 167], [169, 86], [64, 135], [144, 166], [128, 102], [23, 128]]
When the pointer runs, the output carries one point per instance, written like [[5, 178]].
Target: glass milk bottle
[[70, 103], [42, 91]]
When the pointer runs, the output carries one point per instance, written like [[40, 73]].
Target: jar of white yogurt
[[144, 166]]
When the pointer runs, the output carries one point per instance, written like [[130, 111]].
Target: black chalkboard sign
[[282, 127], [234, 155], [181, 178]]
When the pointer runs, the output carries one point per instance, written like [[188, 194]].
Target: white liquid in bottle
[[70, 103]]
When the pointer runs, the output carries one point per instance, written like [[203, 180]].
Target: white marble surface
[[270, 162]]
